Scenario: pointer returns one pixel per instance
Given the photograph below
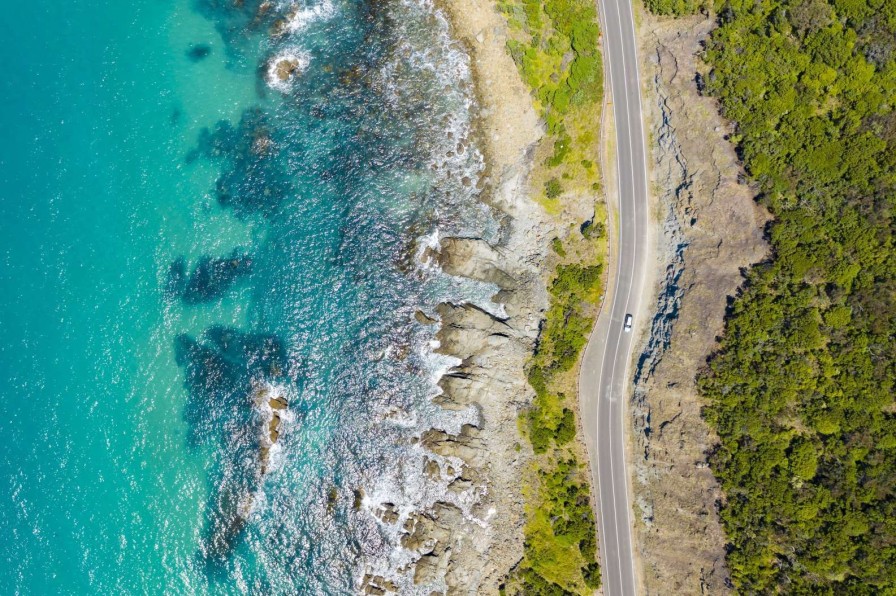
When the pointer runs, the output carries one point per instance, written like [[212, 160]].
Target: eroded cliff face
[[712, 229]]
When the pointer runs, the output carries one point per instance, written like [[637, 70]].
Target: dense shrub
[[674, 7], [561, 540], [555, 44], [558, 55], [802, 390], [553, 188]]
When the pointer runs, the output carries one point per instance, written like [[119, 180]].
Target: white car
[[628, 323]]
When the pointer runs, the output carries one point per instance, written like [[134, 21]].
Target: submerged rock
[[210, 278], [253, 177], [199, 52], [237, 399]]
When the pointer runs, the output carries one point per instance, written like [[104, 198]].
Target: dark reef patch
[[199, 52], [253, 179], [220, 372], [211, 278], [238, 20]]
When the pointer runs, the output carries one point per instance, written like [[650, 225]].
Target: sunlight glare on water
[[213, 219]]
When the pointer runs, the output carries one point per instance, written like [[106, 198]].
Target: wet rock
[[388, 513], [376, 585], [467, 329], [474, 258], [332, 496], [221, 374], [429, 568], [467, 445], [422, 318], [286, 68], [431, 468]]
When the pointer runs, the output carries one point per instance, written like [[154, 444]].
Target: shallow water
[[180, 227]]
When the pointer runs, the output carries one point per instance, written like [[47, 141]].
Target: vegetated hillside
[[802, 390], [556, 46]]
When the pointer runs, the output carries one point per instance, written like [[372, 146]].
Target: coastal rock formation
[[238, 401], [471, 552], [272, 404], [467, 330], [284, 68], [476, 259], [712, 229], [471, 548]]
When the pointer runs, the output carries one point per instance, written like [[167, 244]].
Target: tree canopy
[[801, 392]]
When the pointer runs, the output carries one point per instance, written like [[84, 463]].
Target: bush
[[557, 30], [557, 247], [802, 391], [566, 430], [674, 7], [561, 539], [552, 188]]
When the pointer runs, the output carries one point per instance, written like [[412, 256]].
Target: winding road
[[604, 378]]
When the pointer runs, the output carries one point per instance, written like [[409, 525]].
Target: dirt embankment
[[711, 230]]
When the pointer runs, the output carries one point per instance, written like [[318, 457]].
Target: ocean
[[214, 221]]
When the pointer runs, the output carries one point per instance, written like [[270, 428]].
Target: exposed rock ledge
[[473, 556], [712, 229]]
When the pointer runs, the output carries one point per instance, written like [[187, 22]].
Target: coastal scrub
[[560, 536], [555, 45], [801, 390]]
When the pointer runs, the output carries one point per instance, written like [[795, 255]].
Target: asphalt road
[[604, 380]]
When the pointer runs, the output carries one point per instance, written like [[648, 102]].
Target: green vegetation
[[674, 7], [557, 247], [552, 188], [556, 46], [560, 548], [802, 390], [560, 60]]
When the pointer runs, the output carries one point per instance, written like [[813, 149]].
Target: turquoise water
[[181, 227]]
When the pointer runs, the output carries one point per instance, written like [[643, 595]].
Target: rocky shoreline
[[712, 229], [473, 556]]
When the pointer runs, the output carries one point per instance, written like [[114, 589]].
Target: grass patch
[[556, 46]]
